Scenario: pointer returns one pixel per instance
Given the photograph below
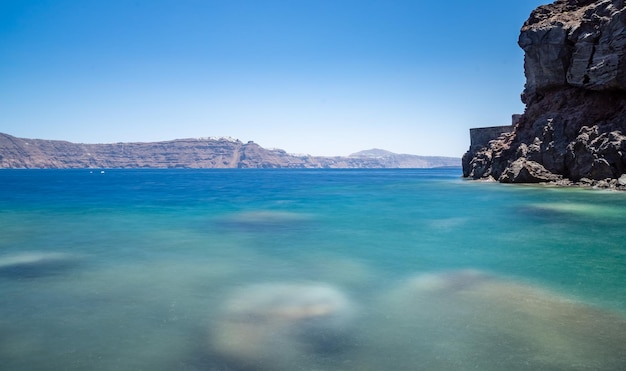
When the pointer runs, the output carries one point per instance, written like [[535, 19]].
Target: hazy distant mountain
[[189, 153], [395, 160]]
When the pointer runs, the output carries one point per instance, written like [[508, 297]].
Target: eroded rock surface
[[574, 126]]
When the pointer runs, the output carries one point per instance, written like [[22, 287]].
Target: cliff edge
[[206, 153], [573, 128]]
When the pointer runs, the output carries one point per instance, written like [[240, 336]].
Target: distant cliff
[[395, 160], [573, 129], [185, 153]]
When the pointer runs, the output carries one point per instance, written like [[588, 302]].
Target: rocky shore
[[573, 129]]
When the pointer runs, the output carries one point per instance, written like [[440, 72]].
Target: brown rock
[[186, 153]]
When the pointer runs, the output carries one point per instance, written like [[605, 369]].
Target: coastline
[[584, 184]]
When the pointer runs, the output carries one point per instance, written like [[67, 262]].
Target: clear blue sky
[[324, 77]]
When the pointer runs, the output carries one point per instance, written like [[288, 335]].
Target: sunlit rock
[[280, 326], [526, 171]]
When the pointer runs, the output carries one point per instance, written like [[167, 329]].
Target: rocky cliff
[[181, 153], [573, 129]]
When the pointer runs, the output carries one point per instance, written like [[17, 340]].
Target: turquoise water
[[307, 269]]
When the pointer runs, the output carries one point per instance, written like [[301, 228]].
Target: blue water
[[307, 269]]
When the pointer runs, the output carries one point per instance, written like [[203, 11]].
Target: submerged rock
[[577, 209], [279, 326], [265, 220], [34, 264], [469, 319]]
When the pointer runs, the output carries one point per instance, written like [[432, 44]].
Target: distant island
[[209, 153]]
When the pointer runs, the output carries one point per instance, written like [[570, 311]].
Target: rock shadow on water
[[281, 326], [36, 264], [265, 221]]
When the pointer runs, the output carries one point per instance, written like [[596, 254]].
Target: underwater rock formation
[[573, 129], [277, 326], [469, 319], [265, 220], [453, 320], [34, 264]]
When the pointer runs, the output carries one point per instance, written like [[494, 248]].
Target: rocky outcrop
[[579, 43], [480, 138], [180, 153], [574, 127]]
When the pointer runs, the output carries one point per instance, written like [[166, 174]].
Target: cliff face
[[395, 160], [37, 153], [180, 153], [573, 129]]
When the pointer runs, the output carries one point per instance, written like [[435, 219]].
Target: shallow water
[[307, 269]]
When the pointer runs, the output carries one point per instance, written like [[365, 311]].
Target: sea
[[289, 269]]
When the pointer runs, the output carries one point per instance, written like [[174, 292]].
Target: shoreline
[[584, 183]]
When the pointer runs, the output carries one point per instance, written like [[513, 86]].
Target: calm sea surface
[[307, 270]]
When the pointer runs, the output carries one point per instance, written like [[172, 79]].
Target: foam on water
[[283, 270]]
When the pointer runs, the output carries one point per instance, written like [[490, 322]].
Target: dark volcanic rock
[[574, 125], [180, 153], [578, 43]]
